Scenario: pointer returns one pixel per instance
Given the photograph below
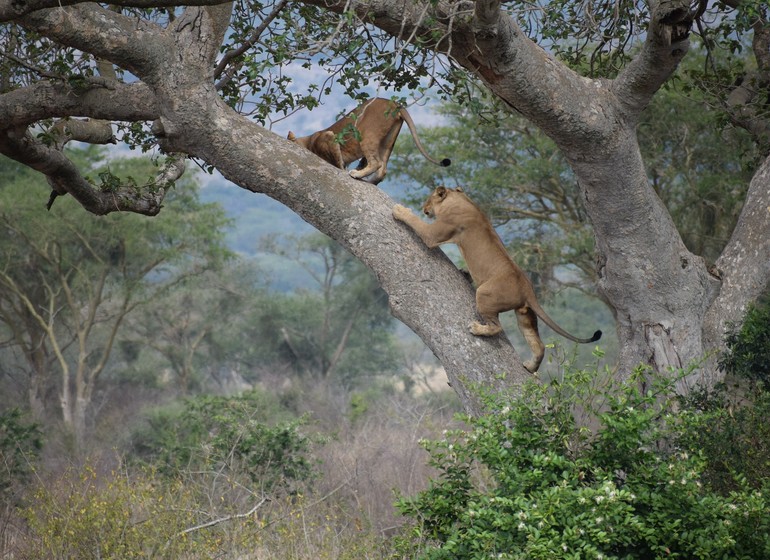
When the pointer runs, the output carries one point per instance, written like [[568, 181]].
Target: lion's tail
[[540, 312], [446, 162]]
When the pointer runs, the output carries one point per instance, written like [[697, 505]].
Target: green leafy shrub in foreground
[[530, 482], [748, 345]]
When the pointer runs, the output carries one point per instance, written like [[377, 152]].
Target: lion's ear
[[291, 136], [441, 192], [459, 189]]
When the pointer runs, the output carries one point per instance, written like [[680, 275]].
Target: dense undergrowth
[[580, 467]]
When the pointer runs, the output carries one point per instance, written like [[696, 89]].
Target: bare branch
[[213, 522], [100, 98]]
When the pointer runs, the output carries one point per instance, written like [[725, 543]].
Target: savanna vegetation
[[160, 398]]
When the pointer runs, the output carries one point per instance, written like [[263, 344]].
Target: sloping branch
[[20, 145], [666, 44]]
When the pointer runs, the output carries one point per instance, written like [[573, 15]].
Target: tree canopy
[[198, 79]]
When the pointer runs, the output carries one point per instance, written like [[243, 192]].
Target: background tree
[[587, 92], [68, 285], [339, 328], [184, 329]]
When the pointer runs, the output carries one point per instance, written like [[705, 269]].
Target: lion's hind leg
[[489, 311], [528, 327], [373, 164]]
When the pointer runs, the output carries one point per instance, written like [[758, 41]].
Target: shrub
[[20, 445], [211, 433], [748, 346], [83, 514], [530, 481], [733, 435]]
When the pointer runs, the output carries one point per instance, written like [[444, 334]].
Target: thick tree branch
[[13, 9], [99, 99], [133, 44], [744, 266], [665, 46], [18, 144]]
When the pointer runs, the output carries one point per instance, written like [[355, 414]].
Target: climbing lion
[[368, 133], [500, 284]]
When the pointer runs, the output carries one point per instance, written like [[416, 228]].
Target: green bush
[[20, 445], [570, 472], [733, 435], [211, 433], [748, 347]]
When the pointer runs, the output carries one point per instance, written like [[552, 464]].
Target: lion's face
[[436, 198]]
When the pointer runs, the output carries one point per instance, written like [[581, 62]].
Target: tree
[[587, 94], [181, 327], [67, 286], [342, 327]]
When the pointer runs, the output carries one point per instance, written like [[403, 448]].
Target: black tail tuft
[[446, 162], [597, 335]]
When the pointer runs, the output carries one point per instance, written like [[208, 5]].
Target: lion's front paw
[[401, 212]]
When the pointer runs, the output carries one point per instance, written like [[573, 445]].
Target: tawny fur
[[500, 284], [368, 134]]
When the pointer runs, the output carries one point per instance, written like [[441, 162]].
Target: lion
[[500, 284], [368, 134]]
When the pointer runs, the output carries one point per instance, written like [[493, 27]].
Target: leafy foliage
[[748, 346], [569, 471], [733, 433], [20, 445], [230, 435]]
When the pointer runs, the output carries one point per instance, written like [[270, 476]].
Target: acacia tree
[[338, 327], [67, 286], [188, 74]]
